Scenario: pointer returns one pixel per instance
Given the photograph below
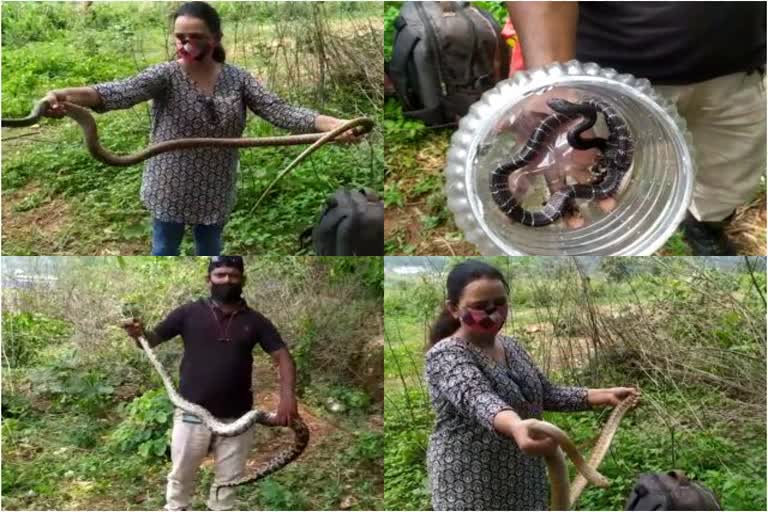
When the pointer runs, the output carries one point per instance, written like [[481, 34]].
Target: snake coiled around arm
[[562, 497], [241, 425]]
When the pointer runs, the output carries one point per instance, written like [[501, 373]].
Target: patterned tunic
[[471, 466], [197, 186]]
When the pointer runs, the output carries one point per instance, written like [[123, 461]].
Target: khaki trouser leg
[[726, 116], [230, 454], [190, 443]]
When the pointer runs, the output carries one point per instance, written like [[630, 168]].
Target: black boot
[[707, 238]]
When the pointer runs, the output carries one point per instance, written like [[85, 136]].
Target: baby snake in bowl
[[608, 173], [241, 425], [562, 497]]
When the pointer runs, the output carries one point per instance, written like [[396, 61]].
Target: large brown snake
[[83, 117], [562, 497]]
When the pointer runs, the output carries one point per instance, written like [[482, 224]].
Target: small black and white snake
[[608, 172]]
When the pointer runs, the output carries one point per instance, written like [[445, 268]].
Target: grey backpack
[[352, 224], [444, 56], [670, 491]]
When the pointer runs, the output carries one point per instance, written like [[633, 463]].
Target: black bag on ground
[[445, 55], [352, 224], [670, 491]]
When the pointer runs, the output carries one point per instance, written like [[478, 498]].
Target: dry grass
[[332, 320], [690, 329], [325, 47], [748, 228]]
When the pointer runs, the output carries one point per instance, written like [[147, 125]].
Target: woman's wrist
[[325, 123], [611, 396], [506, 421], [84, 96], [595, 396]]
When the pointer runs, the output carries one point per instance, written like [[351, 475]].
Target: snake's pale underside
[[562, 497]]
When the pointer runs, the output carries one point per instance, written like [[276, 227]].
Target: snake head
[[561, 105]]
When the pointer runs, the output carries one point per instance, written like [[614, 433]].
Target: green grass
[[80, 206], [62, 460]]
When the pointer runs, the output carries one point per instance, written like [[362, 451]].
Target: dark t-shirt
[[673, 42], [216, 367]]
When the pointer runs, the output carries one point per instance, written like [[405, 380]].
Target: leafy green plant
[[352, 398], [15, 405], [405, 435], [302, 354], [369, 447], [146, 428], [393, 196], [25, 334], [497, 10], [397, 127], [276, 496], [391, 12], [73, 385]]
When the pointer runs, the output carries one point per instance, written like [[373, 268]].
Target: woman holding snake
[[196, 95], [482, 384]]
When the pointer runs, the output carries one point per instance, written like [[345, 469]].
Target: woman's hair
[[458, 279], [208, 14]]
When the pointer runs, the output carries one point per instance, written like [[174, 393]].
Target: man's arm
[[287, 409], [165, 330], [547, 30]]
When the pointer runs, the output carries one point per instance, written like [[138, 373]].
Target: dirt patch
[[270, 441], [43, 223], [417, 173], [404, 225], [35, 223]]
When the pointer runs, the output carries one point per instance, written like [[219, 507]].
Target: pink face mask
[[489, 320], [189, 51]]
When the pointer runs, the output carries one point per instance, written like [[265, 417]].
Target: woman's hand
[[55, 107], [531, 443], [327, 124], [509, 424], [610, 396]]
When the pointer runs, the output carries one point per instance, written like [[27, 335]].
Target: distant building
[[23, 279]]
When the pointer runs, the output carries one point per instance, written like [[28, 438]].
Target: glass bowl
[[649, 205]]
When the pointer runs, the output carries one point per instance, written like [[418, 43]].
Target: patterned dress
[[470, 465], [197, 186]]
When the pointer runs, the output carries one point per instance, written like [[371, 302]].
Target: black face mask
[[226, 293]]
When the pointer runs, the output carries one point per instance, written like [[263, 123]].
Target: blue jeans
[[166, 238]]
